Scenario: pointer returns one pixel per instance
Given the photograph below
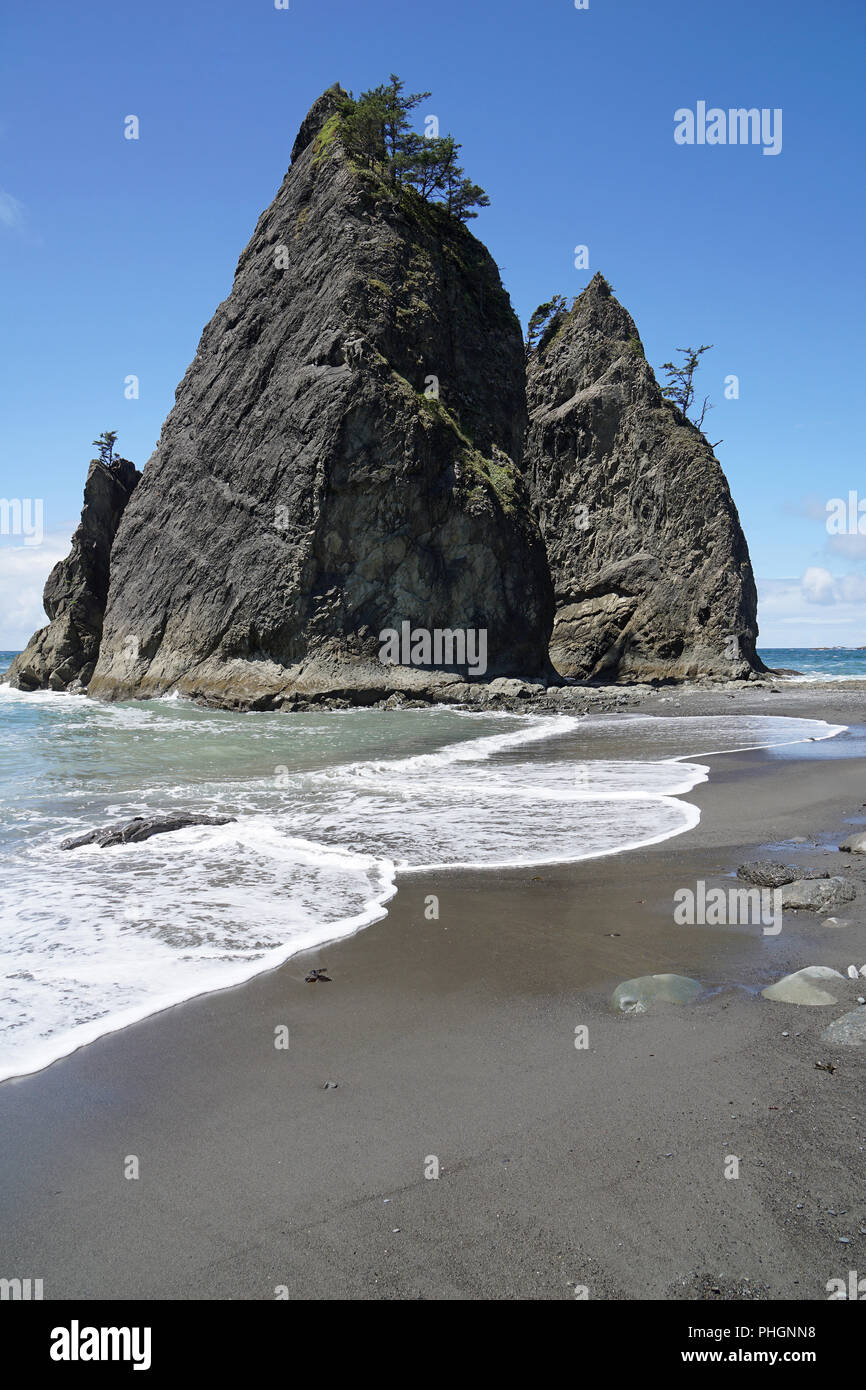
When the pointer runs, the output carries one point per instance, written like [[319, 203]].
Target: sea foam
[[330, 810]]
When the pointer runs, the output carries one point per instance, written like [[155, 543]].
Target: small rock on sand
[[847, 1031], [817, 894], [855, 844], [635, 996], [766, 873], [804, 986]]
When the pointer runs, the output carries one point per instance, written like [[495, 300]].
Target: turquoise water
[[834, 664]]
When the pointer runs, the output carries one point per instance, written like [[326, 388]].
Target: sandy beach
[[560, 1169]]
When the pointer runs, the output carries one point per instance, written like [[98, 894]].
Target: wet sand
[[454, 1039]]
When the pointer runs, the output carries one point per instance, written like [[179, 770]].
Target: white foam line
[[833, 731], [64, 1044], [691, 814]]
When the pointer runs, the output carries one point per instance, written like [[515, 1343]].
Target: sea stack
[[343, 457], [649, 562], [62, 655]]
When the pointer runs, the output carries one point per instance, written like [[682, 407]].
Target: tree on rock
[[546, 317], [376, 133], [105, 444], [680, 387]]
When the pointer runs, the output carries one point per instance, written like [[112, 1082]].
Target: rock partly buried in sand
[[817, 894], [636, 996], [837, 922], [141, 828], [847, 1031], [855, 844], [766, 873], [804, 986]]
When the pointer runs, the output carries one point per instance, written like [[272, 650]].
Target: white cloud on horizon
[[817, 610], [23, 572]]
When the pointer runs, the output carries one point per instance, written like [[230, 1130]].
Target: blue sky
[[114, 253]]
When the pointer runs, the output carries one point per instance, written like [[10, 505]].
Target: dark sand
[[455, 1038]]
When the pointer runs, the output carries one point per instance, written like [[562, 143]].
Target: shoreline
[[392, 873], [454, 1038]]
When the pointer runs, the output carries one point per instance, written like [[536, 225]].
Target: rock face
[[62, 655], [818, 895], [766, 873], [310, 489], [649, 563]]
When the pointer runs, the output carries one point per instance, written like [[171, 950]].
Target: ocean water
[[816, 664], [330, 808]]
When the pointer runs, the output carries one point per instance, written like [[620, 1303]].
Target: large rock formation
[[309, 489], [650, 566], [63, 654]]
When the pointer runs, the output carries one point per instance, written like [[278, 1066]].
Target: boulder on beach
[[855, 844], [140, 828], [817, 894], [636, 996], [766, 873], [805, 986], [847, 1031]]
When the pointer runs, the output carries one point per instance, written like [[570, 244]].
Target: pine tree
[[105, 444], [544, 318], [680, 387], [377, 134]]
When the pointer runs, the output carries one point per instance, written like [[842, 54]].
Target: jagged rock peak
[[63, 654], [598, 307], [319, 113], [649, 562], [343, 457]]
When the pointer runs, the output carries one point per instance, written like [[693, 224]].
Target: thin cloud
[[818, 609], [11, 211], [851, 547], [812, 507]]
